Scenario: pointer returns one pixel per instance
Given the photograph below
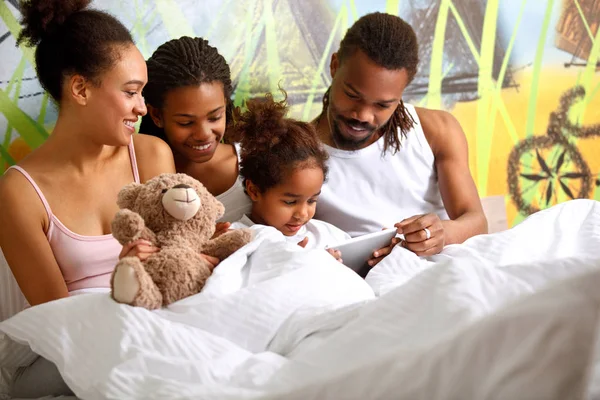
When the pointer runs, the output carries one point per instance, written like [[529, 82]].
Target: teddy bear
[[178, 214]]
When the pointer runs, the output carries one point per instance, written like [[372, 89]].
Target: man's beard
[[348, 143]]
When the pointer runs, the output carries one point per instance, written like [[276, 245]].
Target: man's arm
[[459, 193]]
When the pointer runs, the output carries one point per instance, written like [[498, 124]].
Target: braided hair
[[391, 43], [272, 145], [183, 62]]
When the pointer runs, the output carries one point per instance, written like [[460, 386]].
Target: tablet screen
[[358, 250]]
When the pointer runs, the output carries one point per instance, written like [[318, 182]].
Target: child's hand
[[336, 254], [303, 242]]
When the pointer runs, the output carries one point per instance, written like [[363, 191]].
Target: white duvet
[[508, 315]]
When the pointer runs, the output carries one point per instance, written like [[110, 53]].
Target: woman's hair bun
[[42, 18]]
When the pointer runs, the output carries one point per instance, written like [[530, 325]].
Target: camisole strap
[[134, 168], [37, 189]]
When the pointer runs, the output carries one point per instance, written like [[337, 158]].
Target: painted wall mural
[[522, 76]]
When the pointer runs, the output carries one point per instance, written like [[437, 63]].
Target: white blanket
[[509, 315]]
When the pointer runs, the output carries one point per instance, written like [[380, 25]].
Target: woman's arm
[[24, 243], [154, 157]]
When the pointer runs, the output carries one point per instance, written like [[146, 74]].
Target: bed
[[512, 314]]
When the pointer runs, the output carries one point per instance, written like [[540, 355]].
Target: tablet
[[358, 250]]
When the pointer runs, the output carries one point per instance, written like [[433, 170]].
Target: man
[[391, 163]]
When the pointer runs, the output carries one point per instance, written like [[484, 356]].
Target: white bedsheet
[[500, 316]]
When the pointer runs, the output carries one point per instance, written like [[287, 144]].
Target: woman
[[58, 203], [189, 106]]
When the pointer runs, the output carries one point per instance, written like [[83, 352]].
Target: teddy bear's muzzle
[[181, 202]]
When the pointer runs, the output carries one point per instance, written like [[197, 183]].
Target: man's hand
[[423, 234], [380, 254]]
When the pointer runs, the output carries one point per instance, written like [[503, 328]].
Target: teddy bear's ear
[[128, 194]]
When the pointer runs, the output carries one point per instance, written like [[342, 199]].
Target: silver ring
[[427, 233]]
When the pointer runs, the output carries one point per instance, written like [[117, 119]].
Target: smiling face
[[116, 103], [291, 204], [362, 99], [193, 119]]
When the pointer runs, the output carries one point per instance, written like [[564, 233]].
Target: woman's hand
[[213, 261], [140, 248], [143, 249], [221, 228]]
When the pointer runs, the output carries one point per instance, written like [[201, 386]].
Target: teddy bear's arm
[[128, 226], [226, 244]]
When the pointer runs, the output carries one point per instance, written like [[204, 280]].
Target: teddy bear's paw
[[125, 285], [127, 226], [248, 235]]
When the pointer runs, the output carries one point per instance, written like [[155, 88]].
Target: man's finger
[[429, 252], [418, 236], [380, 254], [374, 261], [421, 245], [400, 226], [419, 224]]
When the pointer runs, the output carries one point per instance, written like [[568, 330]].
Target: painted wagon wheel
[[543, 171]]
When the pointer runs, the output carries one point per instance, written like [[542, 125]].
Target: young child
[[283, 165]]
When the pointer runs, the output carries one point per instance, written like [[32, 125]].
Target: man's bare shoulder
[[436, 121], [439, 127]]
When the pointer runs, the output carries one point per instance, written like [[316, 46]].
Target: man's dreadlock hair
[[390, 42], [183, 62]]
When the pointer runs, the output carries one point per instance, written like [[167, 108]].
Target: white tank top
[[235, 200], [367, 191]]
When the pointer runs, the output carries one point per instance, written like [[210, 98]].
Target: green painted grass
[[434, 91], [173, 19], [537, 68], [251, 45], [486, 91], [275, 71], [392, 6], [32, 133]]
